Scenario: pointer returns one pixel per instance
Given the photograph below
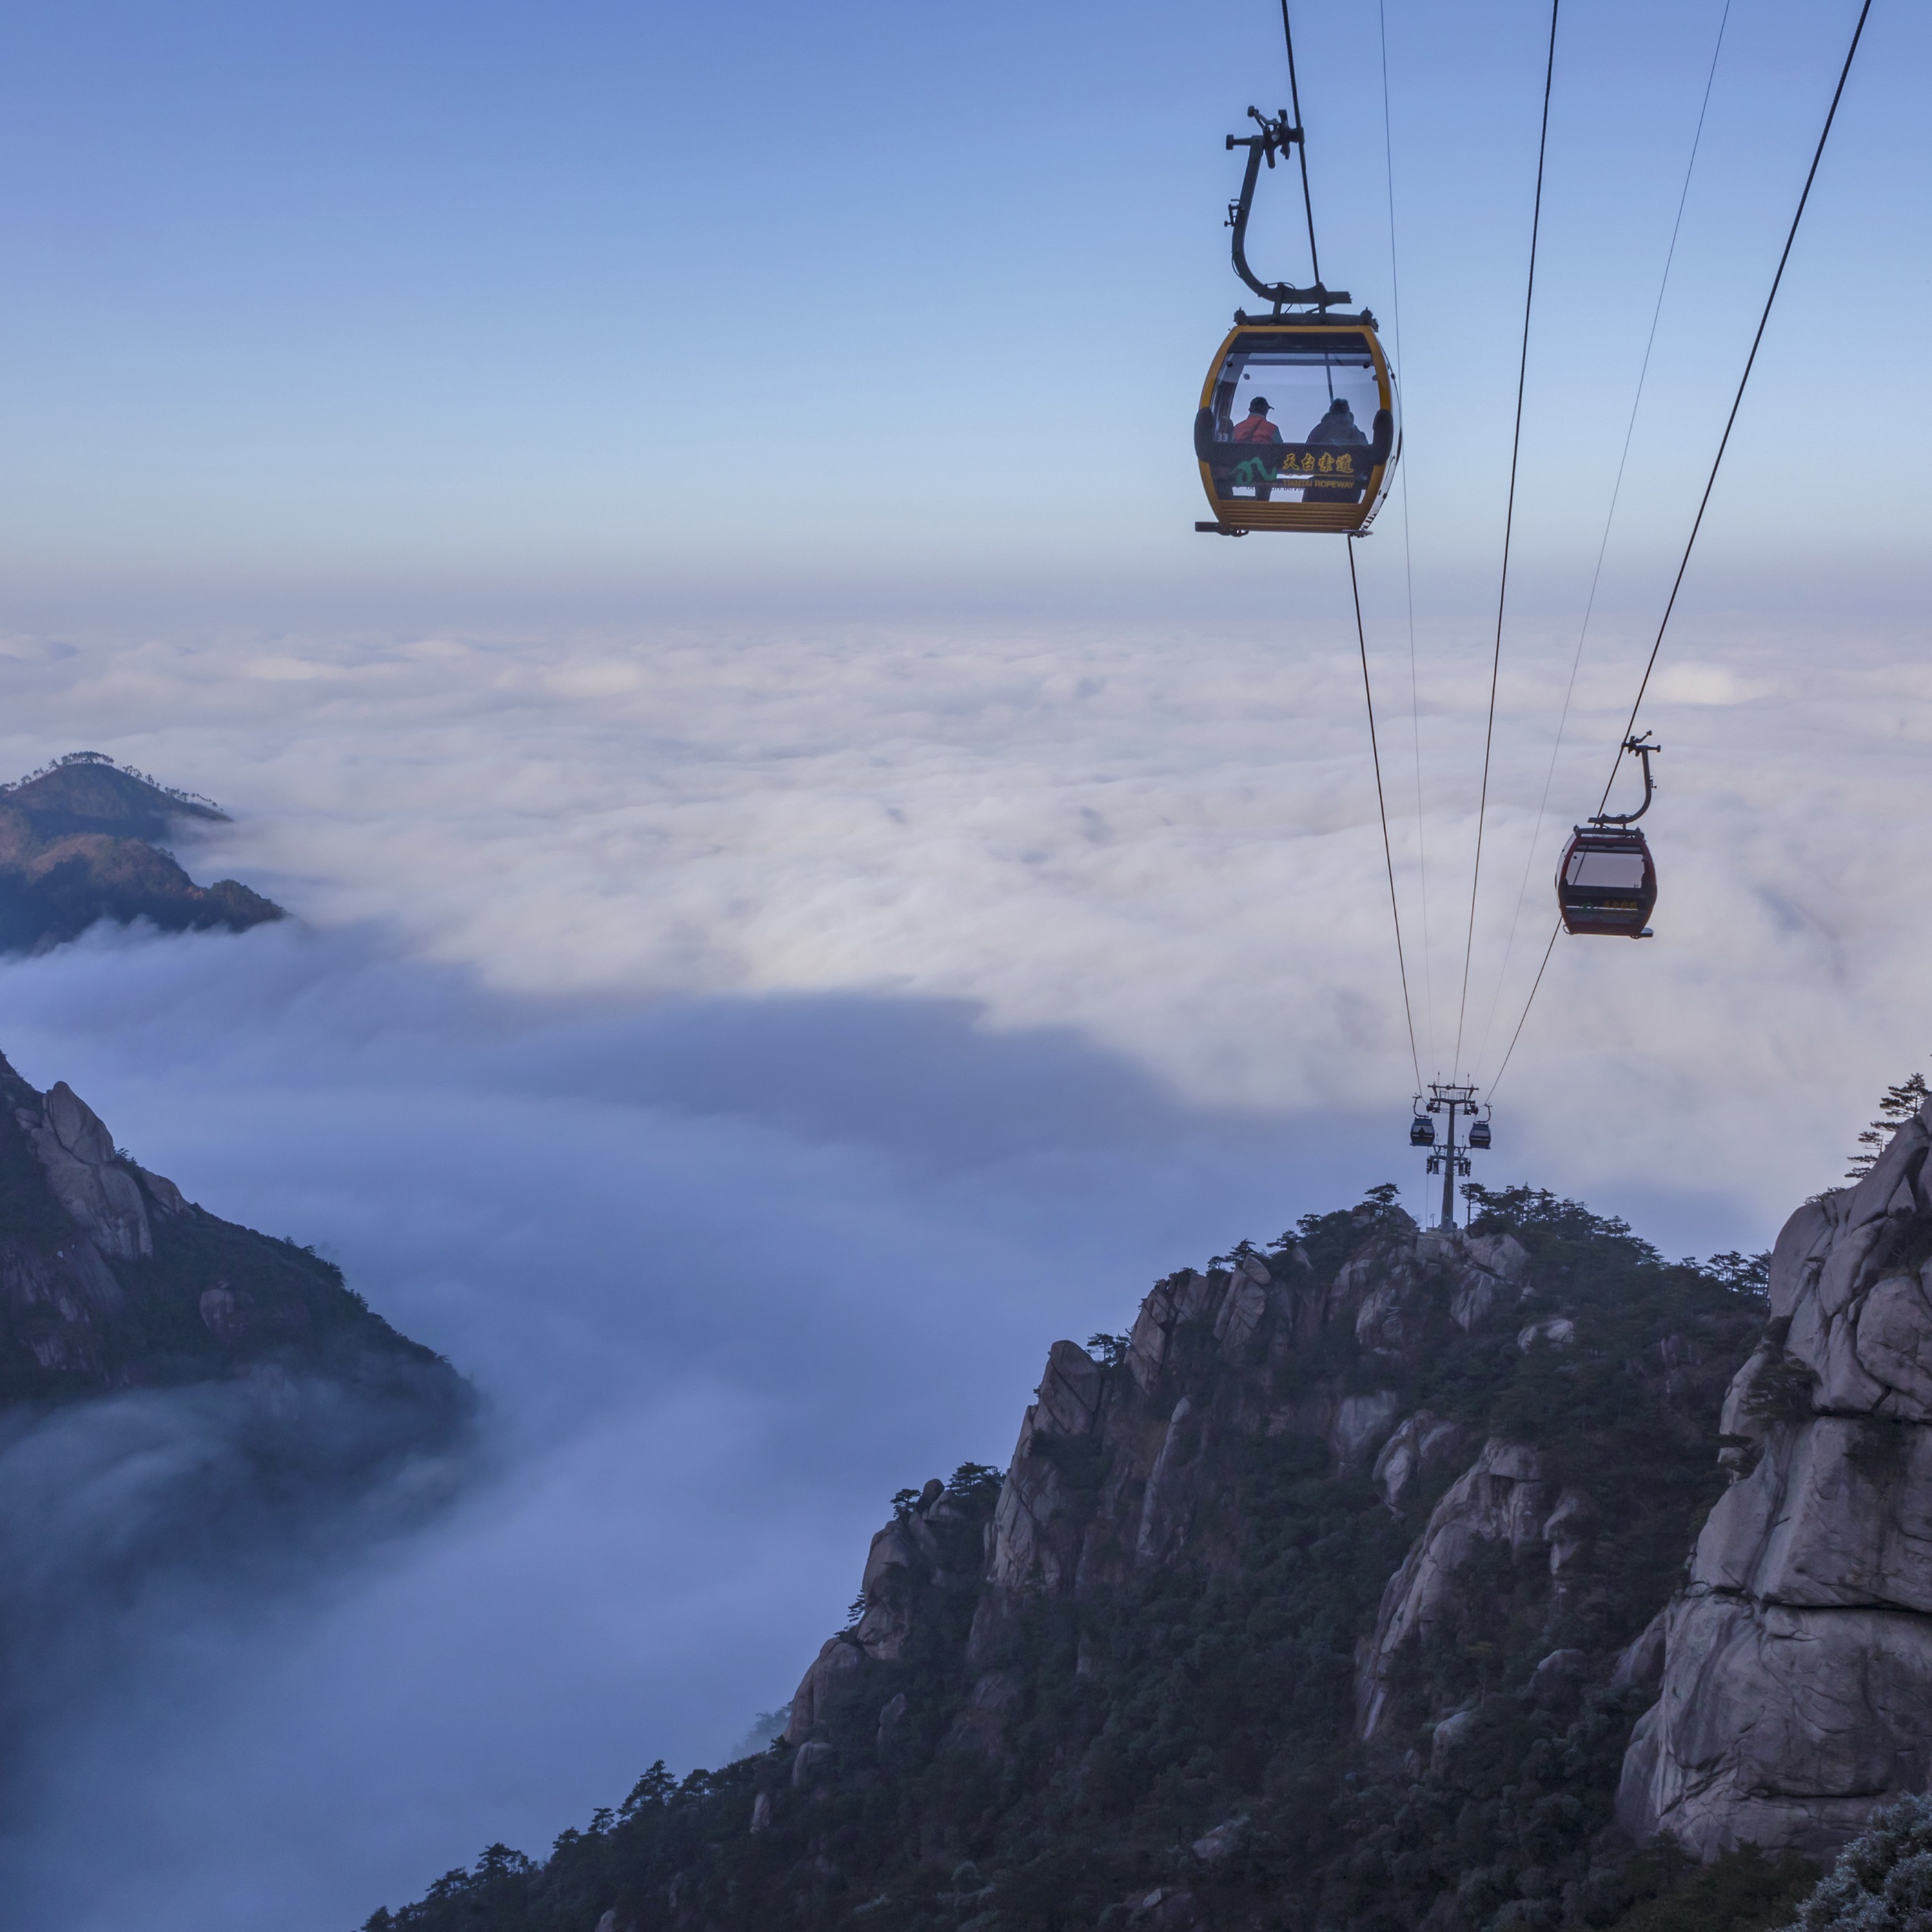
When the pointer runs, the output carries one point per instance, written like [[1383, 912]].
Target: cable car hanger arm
[[1642, 748], [1276, 135]]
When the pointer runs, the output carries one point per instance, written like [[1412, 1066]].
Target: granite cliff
[[183, 1403], [1328, 1595], [1797, 1675], [81, 841], [110, 1279]]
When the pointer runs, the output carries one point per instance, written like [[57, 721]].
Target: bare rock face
[[60, 1297], [809, 1764], [1502, 1498], [1797, 1679], [110, 1279], [1118, 1473], [925, 1562], [1423, 1443], [102, 1197], [1031, 1528], [1362, 1422], [831, 1679]]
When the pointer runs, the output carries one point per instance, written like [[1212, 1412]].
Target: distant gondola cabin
[[1296, 428], [1606, 882]]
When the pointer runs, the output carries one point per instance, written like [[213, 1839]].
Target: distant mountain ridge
[[79, 843]]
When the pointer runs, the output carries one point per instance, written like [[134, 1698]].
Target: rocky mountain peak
[[1797, 1682], [110, 1278]]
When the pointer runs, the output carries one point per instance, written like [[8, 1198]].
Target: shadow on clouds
[[729, 1272]]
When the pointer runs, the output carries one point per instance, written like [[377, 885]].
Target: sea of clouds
[[743, 1048]]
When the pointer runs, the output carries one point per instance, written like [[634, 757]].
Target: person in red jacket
[[1255, 427]]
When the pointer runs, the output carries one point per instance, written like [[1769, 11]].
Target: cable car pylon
[[1450, 1160]]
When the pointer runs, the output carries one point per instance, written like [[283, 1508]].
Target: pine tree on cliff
[[1883, 1881], [1900, 1104]]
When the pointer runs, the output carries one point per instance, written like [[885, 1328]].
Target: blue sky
[[672, 533], [311, 300]]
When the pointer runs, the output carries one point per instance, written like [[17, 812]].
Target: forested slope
[[1328, 1596]]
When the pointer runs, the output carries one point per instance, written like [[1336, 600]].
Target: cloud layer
[[744, 1053]]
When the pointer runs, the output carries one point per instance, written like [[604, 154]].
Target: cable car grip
[[1642, 748], [1276, 135]]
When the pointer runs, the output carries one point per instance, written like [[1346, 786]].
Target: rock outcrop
[[1124, 1471], [110, 1279], [80, 842], [101, 1193], [1114, 1475], [921, 1571], [1500, 1500], [1323, 1599], [1797, 1677], [180, 1397]]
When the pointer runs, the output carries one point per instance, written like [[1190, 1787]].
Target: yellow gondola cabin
[[1296, 429]]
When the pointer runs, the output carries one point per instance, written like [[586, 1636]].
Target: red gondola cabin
[[1606, 882]]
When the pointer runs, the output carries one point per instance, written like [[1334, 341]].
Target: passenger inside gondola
[[1334, 386], [1254, 426], [1259, 471], [1337, 426]]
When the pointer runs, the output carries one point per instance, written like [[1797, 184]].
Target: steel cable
[[1355, 588], [1525, 1015], [1737, 402], [1381, 803], [1603, 547], [1730, 422], [1509, 528], [1408, 574], [1301, 143]]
